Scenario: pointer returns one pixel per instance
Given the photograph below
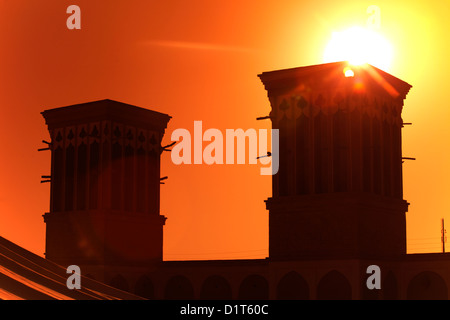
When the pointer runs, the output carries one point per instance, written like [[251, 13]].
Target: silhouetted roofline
[[329, 73], [428, 256], [209, 263], [105, 109]]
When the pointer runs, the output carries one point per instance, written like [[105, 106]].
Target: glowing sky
[[359, 45], [199, 60]]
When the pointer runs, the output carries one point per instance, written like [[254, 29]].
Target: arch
[[292, 287], [144, 288], [254, 287], [82, 171], [334, 286], [217, 288], [119, 282], [302, 156], [283, 171], [427, 285], [179, 288], [340, 152], [94, 163], [390, 287], [376, 156], [116, 175], [69, 177], [321, 154], [57, 179]]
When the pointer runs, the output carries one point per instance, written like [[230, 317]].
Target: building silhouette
[[105, 169], [336, 207], [338, 192]]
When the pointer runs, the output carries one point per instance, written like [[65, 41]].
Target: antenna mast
[[443, 237]]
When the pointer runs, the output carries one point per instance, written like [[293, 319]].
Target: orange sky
[[199, 60]]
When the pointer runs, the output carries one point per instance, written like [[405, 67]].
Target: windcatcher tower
[[105, 185], [338, 192]]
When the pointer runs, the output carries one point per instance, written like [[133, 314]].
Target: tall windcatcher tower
[[105, 185], [338, 192]]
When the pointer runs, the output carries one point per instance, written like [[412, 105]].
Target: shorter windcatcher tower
[[105, 185]]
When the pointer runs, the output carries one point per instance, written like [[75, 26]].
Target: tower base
[[336, 225]]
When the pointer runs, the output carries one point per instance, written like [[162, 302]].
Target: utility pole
[[443, 237]]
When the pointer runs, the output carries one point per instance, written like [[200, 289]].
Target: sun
[[358, 46]]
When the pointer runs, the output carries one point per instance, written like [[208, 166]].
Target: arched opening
[[427, 285], [334, 286], [293, 287], [217, 288], [144, 288], [390, 287], [254, 287], [179, 288]]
